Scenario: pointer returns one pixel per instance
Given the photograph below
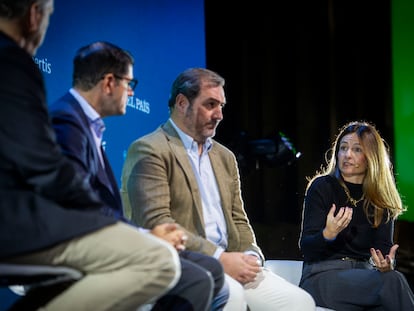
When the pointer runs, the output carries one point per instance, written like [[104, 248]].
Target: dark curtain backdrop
[[304, 68]]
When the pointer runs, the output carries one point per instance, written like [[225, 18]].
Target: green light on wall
[[403, 88]]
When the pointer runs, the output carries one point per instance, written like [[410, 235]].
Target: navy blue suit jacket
[[74, 135], [43, 201], [77, 141]]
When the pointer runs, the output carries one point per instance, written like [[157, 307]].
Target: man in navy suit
[[49, 215], [102, 81]]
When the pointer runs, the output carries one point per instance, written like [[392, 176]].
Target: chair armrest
[[39, 275]]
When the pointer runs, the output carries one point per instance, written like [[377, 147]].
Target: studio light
[[266, 152]]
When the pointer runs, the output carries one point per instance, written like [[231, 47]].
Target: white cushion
[[290, 270]]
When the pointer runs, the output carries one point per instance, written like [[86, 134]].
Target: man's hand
[[241, 267], [171, 233]]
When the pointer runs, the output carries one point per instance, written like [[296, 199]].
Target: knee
[[235, 289], [304, 299], [394, 279], [209, 281], [236, 295], [217, 273], [214, 266], [169, 263], [221, 298], [216, 269], [308, 300]]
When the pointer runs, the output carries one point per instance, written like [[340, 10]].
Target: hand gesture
[[382, 263], [171, 233], [337, 223]]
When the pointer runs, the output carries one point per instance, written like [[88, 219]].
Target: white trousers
[[269, 292]]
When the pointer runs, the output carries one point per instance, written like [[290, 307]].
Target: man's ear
[[107, 83], [181, 102]]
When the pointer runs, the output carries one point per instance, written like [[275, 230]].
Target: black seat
[[36, 284]]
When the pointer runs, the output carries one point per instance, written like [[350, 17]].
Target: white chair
[[290, 270]]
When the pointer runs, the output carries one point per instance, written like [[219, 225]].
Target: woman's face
[[351, 159]]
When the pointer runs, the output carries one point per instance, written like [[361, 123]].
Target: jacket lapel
[[105, 175], [108, 175], [181, 156], [92, 155]]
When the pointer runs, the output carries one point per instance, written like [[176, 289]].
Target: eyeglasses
[[132, 83]]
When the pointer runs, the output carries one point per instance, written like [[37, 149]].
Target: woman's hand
[[382, 263], [337, 223]]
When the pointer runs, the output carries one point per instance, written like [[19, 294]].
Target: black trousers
[[349, 285], [202, 278]]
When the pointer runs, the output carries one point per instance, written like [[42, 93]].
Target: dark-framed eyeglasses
[[132, 83]]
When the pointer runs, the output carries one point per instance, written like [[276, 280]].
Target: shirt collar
[[86, 107], [188, 141]]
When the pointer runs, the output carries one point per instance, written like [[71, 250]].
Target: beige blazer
[[158, 186]]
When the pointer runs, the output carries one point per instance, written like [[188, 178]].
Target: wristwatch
[[392, 263]]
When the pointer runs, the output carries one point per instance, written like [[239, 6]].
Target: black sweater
[[355, 240]]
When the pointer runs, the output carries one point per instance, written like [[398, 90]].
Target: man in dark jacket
[[48, 213]]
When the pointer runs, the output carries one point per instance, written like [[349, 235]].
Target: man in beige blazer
[[180, 174]]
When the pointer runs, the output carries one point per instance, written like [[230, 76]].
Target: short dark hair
[[15, 8], [94, 60], [189, 83]]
